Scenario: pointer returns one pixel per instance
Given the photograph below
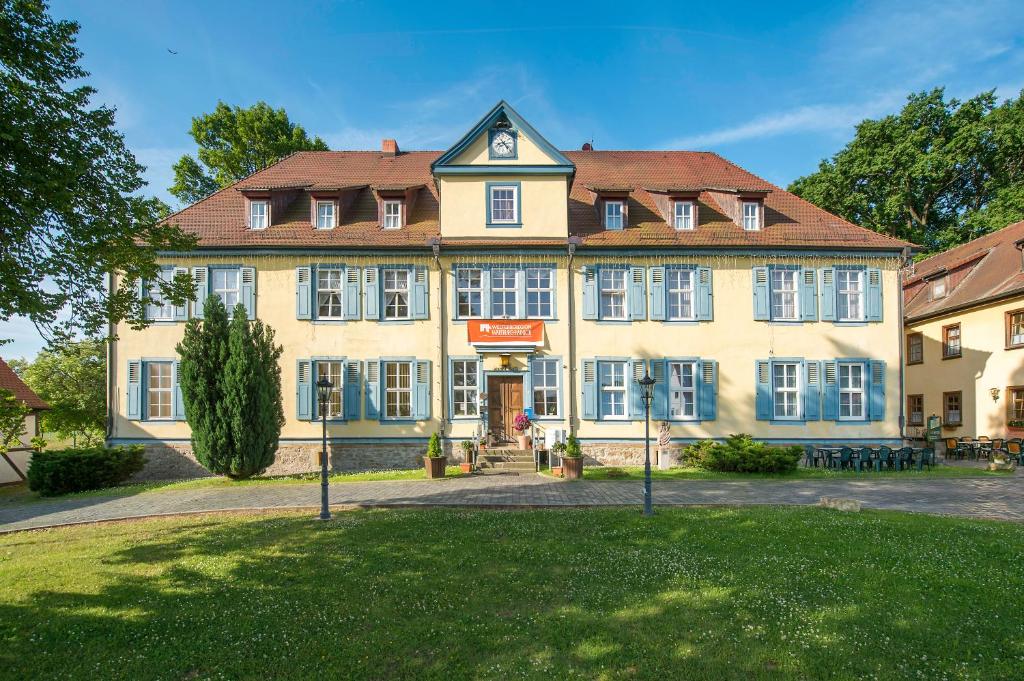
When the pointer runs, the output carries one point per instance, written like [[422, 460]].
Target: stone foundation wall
[[176, 462], [623, 454]]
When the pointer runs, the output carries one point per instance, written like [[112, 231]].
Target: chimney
[[389, 147], [587, 146]]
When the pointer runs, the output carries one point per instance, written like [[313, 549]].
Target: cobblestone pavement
[[1001, 498]]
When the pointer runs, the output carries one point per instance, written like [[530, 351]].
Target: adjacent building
[[964, 344], [14, 464], [448, 291]]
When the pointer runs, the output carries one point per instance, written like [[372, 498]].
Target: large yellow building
[[965, 338], [447, 291]]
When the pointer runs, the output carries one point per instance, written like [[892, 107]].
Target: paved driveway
[[1001, 498]]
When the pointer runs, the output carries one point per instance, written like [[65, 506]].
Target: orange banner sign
[[506, 332]]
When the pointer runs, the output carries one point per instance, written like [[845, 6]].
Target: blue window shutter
[[830, 386], [372, 374], [371, 294], [808, 294], [179, 402], [201, 281], [874, 297], [636, 403], [304, 390], [180, 311], [352, 381], [762, 296], [876, 376], [589, 384], [247, 275], [659, 372], [303, 292], [521, 293], [419, 292], [764, 390], [351, 292], [554, 294], [485, 292], [454, 288], [590, 292], [812, 390], [421, 378], [528, 384], [637, 293], [657, 293], [828, 294], [707, 390], [134, 407], [705, 293]]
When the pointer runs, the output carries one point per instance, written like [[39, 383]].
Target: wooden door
[[504, 401]]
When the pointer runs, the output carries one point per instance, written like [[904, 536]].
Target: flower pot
[[523, 440], [466, 467], [572, 467], [435, 466]]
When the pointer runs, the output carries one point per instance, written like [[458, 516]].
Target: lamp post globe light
[[323, 393], [647, 395]]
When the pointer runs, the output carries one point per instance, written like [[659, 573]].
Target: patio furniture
[[845, 458], [956, 449], [1013, 449], [983, 447], [863, 459], [925, 457], [810, 456], [883, 458]]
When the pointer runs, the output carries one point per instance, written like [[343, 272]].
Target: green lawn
[[637, 473], [752, 593]]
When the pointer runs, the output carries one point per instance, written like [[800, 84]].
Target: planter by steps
[[572, 467], [435, 466]]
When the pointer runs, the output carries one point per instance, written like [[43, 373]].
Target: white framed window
[[329, 293], [332, 371], [679, 289], [504, 200], [682, 390], [539, 291], [545, 387], [224, 283], [751, 216], [397, 390], [392, 215], [784, 294], [469, 292], [613, 218], [612, 384], [613, 293], [465, 391], [396, 294], [325, 215], [159, 390], [785, 382], [851, 392], [259, 214], [160, 309], [850, 294], [503, 293], [683, 215]]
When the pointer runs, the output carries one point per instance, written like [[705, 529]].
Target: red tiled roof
[[10, 381], [988, 267], [219, 220]]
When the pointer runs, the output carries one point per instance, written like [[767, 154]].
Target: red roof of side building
[[10, 381], [219, 220], [986, 269]]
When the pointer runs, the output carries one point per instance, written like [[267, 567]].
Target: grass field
[[757, 593], [801, 473]]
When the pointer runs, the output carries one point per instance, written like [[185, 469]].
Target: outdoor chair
[[887, 455], [863, 459], [903, 457], [1013, 449], [845, 458], [926, 457], [882, 458], [955, 448], [809, 458]]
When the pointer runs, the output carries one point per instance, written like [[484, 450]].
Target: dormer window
[[683, 215], [392, 215], [938, 288], [325, 215], [751, 216], [613, 215], [259, 214]]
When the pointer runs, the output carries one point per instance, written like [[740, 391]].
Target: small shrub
[[558, 449], [467, 447], [75, 470], [572, 448], [434, 447], [741, 454]]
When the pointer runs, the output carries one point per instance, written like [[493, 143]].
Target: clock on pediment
[[502, 143]]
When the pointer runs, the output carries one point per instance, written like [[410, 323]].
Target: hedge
[[74, 470], [741, 454]]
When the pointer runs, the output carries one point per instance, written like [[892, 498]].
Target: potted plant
[[572, 460], [521, 424], [557, 451], [435, 460], [467, 456]]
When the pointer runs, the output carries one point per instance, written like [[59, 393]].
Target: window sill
[[398, 321], [398, 421], [785, 322], [956, 356], [915, 362], [850, 322], [500, 225], [329, 321], [1015, 347], [788, 422]]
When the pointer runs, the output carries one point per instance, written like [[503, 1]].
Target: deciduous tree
[[71, 377]]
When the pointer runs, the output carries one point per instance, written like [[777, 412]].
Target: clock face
[[503, 144]]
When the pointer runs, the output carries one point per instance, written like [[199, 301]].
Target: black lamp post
[[647, 394], [323, 394]]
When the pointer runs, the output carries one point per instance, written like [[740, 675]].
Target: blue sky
[[773, 88]]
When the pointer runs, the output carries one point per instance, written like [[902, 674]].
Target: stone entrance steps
[[505, 461]]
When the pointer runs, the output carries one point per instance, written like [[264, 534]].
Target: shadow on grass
[[450, 594]]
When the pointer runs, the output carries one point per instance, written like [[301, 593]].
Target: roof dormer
[[264, 204], [744, 206], [395, 203], [678, 205], [612, 205]]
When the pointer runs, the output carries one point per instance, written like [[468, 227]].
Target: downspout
[[442, 333], [574, 241], [900, 344], [110, 364]]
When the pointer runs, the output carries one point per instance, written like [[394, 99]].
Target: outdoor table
[[826, 454]]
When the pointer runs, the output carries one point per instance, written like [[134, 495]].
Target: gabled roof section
[[501, 111], [10, 381]]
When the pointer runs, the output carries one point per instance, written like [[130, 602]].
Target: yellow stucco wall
[[544, 202], [528, 153], [984, 363]]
